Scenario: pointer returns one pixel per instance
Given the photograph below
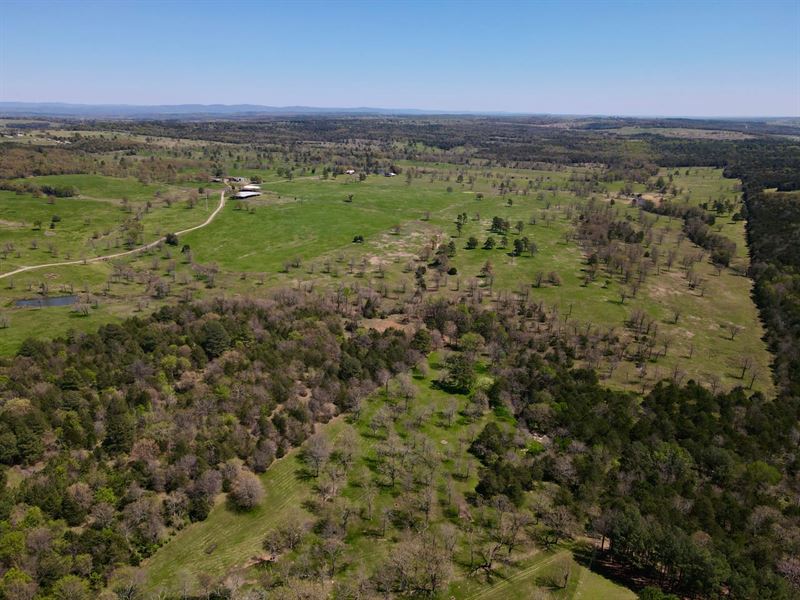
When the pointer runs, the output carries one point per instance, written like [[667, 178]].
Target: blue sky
[[635, 58]]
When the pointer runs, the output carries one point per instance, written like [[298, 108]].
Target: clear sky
[[726, 58]]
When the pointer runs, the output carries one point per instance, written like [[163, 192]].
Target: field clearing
[[101, 187], [239, 535], [228, 542], [315, 221], [39, 231], [227, 539], [683, 132], [85, 281]]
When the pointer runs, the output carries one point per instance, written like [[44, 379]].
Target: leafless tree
[[246, 491], [316, 453], [734, 330]]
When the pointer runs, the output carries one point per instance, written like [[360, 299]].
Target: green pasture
[[102, 187], [308, 220], [42, 231]]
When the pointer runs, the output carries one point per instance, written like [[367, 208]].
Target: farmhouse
[[243, 195]]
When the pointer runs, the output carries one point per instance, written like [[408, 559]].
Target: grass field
[[101, 187], [38, 231], [86, 226], [308, 221]]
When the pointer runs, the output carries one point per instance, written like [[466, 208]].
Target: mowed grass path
[[228, 539], [533, 573]]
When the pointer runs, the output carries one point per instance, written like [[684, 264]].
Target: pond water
[[46, 301]]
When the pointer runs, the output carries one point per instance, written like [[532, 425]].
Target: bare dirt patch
[[400, 322]]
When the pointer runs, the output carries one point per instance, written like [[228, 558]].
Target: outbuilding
[[245, 195]]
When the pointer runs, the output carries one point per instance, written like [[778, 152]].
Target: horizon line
[[250, 108]]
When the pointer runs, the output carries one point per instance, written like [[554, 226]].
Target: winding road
[[86, 261]]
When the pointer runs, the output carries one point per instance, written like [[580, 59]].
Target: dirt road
[[95, 259]]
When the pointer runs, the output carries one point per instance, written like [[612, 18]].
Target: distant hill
[[132, 111], [784, 126]]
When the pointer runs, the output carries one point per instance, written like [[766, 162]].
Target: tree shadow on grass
[[304, 474], [589, 556], [231, 506]]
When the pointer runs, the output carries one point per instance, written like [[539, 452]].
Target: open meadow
[[301, 232]]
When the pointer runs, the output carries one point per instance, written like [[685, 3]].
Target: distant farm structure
[[246, 194]]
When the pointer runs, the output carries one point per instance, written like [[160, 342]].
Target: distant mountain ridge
[[64, 109], [230, 111]]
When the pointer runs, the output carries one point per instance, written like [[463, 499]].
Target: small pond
[[46, 301]]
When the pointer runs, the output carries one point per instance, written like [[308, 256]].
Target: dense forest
[[141, 425], [676, 483], [774, 237]]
